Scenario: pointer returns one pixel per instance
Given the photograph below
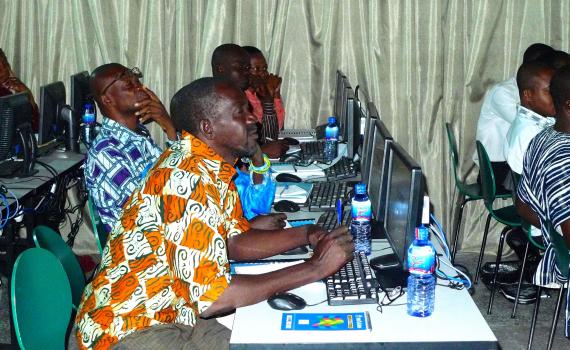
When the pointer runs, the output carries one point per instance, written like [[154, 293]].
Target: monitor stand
[[389, 272]]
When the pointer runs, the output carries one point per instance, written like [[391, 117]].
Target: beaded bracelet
[[262, 169]]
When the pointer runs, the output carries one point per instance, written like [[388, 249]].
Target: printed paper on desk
[[350, 321], [295, 192]]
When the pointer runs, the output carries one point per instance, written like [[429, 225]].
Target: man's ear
[[106, 100], [527, 94], [219, 69], [207, 128]]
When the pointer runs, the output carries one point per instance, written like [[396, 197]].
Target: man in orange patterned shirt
[[166, 265]]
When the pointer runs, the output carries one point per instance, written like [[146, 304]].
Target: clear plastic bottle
[[88, 126], [421, 265], [331, 140], [361, 216]]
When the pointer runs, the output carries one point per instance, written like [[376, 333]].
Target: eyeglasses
[[134, 72]]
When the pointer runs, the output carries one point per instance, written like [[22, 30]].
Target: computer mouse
[[297, 251], [291, 141], [286, 302], [286, 206], [286, 177], [291, 158]]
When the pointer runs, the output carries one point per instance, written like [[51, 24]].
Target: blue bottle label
[[88, 117], [421, 259], [361, 211], [331, 133]]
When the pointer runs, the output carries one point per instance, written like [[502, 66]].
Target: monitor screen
[[52, 100], [80, 94], [15, 114], [403, 201], [379, 163]]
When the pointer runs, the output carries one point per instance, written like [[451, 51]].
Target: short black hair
[[221, 54], [536, 50], [99, 71], [527, 73], [195, 102], [252, 50], [555, 58], [560, 88]]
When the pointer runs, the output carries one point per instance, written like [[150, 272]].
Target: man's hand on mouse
[[333, 251], [274, 221]]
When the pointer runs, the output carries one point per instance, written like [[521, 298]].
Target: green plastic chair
[[467, 192], [41, 301], [562, 254], [530, 240], [99, 230], [46, 238], [507, 216]]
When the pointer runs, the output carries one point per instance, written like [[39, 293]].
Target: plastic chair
[[562, 254], [46, 238], [530, 240], [467, 192], [41, 300], [99, 230], [507, 216]]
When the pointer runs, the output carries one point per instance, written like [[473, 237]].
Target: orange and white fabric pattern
[[166, 259]]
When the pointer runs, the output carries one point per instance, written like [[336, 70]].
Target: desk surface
[[455, 323]]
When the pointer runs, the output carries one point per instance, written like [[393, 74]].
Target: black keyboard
[[354, 283], [314, 150], [345, 168], [329, 221], [325, 194], [9, 167]]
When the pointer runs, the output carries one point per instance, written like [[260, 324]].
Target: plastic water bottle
[[421, 265], [88, 127], [361, 216], [331, 140]]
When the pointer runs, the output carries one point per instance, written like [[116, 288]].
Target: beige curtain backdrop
[[423, 63]]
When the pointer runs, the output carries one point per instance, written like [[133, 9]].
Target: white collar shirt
[[498, 111], [525, 127]]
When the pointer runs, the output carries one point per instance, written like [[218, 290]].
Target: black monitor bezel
[[352, 125], [414, 204], [79, 93], [45, 134], [18, 120]]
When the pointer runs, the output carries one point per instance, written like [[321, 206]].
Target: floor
[[511, 333]]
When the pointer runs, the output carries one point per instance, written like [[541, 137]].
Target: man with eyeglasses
[[123, 151]]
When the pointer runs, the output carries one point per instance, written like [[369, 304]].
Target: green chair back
[[453, 151], [562, 252], [46, 238], [98, 227], [41, 301], [488, 189]]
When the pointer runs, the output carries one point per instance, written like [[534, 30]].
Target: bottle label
[[421, 259], [331, 133], [88, 117], [361, 211]]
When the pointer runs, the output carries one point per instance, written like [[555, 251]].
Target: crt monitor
[[52, 101], [379, 165], [17, 141], [404, 201]]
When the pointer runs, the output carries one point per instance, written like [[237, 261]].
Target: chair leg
[[534, 317], [483, 243], [514, 313], [555, 319], [496, 272], [457, 229]]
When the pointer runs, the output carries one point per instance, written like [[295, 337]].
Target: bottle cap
[[360, 188], [332, 120], [88, 105]]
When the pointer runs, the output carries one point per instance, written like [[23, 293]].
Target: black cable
[[49, 168]]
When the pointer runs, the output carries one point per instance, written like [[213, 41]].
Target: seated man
[[233, 63], [543, 191], [10, 84], [167, 266], [266, 87], [123, 151], [533, 81], [498, 111]]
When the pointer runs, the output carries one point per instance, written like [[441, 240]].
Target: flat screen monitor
[[403, 201], [80, 94], [379, 164], [353, 115], [52, 101], [369, 132], [17, 142], [343, 116], [339, 88]]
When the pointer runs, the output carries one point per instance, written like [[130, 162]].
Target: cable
[[5, 202]]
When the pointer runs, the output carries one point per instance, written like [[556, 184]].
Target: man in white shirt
[[498, 112], [533, 114]]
